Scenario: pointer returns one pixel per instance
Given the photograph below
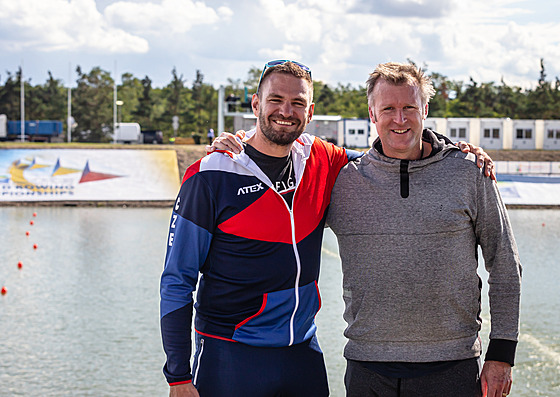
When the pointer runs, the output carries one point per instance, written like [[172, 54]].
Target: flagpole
[[22, 105], [115, 106], [69, 120]]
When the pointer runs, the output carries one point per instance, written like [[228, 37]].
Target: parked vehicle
[[152, 136], [127, 133], [34, 130]]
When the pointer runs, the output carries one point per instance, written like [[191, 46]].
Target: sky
[[340, 40]]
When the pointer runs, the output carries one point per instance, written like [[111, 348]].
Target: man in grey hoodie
[[409, 239], [361, 262]]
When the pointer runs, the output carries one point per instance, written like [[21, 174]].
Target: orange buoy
[[19, 265], [543, 224], [34, 214], [4, 291], [27, 233], [34, 246], [31, 223]]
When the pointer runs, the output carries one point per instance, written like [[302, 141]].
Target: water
[[81, 318]]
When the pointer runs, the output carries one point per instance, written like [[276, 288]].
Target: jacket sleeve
[[188, 242], [501, 258]]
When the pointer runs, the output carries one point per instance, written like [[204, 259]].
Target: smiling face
[[284, 108], [398, 114]]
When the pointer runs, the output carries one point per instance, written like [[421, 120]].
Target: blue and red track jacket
[[258, 259]]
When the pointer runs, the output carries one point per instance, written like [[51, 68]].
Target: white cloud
[[288, 51], [483, 11], [403, 8], [341, 40], [475, 38], [50, 25], [225, 13], [330, 6], [294, 21], [481, 42], [165, 17]]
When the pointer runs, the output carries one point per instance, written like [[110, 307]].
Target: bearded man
[[252, 225]]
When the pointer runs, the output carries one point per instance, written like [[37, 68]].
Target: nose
[[286, 109], [400, 117]]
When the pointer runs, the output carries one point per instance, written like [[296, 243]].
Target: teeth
[[400, 131], [283, 122]]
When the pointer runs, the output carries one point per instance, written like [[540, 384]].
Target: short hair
[[289, 68], [401, 74]]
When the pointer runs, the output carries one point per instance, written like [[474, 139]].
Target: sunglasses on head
[[278, 62]]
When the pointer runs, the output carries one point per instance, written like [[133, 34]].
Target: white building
[[551, 140], [524, 134], [458, 129], [354, 133], [489, 133]]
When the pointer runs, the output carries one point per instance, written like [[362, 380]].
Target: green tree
[[510, 101], [438, 104], [542, 102], [196, 106], [93, 105], [324, 96], [10, 96], [143, 112], [196, 95], [47, 101], [252, 81], [129, 93], [204, 105], [175, 102]]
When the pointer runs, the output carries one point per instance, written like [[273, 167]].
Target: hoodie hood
[[441, 148]]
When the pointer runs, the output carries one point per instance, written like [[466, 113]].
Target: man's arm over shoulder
[[339, 156], [483, 159], [353, 154], [188, 242]]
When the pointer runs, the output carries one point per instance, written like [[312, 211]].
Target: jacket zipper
[[296, 254], [294, 245], [298, 274], [298, 262]]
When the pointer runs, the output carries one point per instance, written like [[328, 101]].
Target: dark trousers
[[460, 380], [223, 368]]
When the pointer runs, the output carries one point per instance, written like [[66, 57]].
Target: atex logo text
[[250, 189]]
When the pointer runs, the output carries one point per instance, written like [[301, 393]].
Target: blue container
[[43, 128]]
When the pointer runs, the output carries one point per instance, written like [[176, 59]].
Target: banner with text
[[88, 175]]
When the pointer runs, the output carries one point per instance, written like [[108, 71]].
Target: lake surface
[[81, 317]]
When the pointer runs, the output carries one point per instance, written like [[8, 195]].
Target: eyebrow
[[393, 105], [300, 97]]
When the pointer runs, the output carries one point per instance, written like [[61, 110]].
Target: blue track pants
[[223, 368]]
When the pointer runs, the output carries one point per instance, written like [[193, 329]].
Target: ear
[[371, 115], [310, 113], [255, 104], [426, 111]]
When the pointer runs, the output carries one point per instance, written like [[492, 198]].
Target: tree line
[[196, 104]]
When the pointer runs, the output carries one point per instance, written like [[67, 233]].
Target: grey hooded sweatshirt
[[408, 234]]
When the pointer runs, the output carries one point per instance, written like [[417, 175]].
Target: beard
[[279, 135]]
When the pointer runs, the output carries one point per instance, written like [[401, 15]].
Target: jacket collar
[[301, 150]]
